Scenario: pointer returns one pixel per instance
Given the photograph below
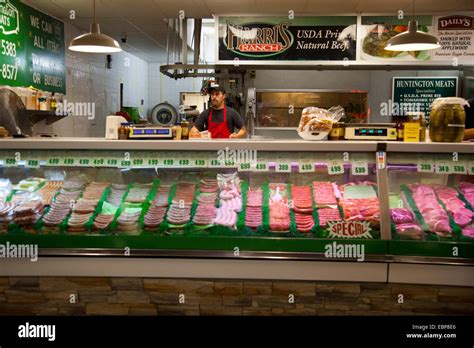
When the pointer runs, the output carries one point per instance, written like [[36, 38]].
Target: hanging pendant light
[[413, 39], [94, 41]]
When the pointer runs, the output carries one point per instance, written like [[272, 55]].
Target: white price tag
[[425, 167], [260, 167], [283, 167], [335, 167], [10, 162], [244, 167], [215, 163], [183, 162], [360, 168], [199, 163], [306, 167], [460, 167], [32, 163], [85, 162], [444, 167]]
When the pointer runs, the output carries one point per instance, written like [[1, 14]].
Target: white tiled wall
[[161, 88], [88, 80]]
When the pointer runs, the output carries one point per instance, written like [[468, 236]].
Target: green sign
[[413, 94], [31, 48]]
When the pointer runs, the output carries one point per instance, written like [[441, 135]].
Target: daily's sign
[[417, 93], [31, 48], [283, 39]]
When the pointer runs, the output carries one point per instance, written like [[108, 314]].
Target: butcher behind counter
[[220, 120]]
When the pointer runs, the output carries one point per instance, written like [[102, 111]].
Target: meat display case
[[281, 200]]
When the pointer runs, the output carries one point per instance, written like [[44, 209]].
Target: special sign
[[278, 38], [349, 229], [31, 48]]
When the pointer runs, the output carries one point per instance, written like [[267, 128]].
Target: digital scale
[[150, 132], [370, 131]]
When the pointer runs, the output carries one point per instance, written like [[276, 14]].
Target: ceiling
[[142, 20]]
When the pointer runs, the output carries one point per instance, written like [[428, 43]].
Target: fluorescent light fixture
[[94, 41]]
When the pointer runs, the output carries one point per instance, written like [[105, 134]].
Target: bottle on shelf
[[184, 128], [53, 103]]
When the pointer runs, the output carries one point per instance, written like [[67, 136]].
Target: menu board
[[285, 39], [31, 48], [456, 37], [417, 93]]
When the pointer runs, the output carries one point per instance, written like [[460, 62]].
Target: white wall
[[162, 89], [88, 80]]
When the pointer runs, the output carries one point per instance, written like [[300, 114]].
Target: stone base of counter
[[156, 296]]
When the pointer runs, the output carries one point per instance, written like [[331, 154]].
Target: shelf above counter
[[237, 144]]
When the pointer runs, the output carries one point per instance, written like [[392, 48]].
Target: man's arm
[[239, 124], [198, 125], [242, 133]]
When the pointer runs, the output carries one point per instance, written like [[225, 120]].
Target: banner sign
[[283, 39]]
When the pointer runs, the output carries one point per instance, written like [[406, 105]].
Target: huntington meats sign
[[283, 39]]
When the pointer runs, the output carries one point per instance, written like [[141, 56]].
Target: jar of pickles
[[447, 119]]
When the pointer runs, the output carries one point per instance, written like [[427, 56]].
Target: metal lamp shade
[[412, 40], [94, 42]]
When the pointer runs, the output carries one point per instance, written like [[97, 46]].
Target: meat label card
[[425, 164]]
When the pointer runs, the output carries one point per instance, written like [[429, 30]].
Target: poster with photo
[[376, 31]]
